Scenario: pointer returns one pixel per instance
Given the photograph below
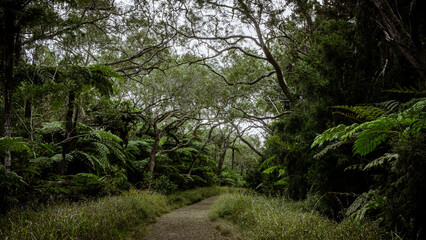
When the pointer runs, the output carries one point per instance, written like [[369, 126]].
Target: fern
[[329, 135], [109, 136], [85, 158], [105, 71], [390, 106], [270, 170], [369, 135], [281, 182], [408, 90], [387, 157], [53, 127], [330, 147], [362, 113], [86, 178], [187, 151], [267, 162], [15, 144]]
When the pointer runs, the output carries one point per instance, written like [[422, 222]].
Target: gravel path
[[187, 223]]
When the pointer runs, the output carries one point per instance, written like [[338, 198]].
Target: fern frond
[[187, 151], [15, 144], [408, 90], [355, 167], [143, 145], [53, 127], [331, 147], [375, 133], [131, 148], [84, 129], [270, 170], [387, 157], [86, 178], [84, 158], [363, 112], [105, 71], [281, 182], [267, 162], [390, 106], [109, 136], [329, 135]]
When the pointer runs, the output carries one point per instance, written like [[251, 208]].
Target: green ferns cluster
[[367, 136]]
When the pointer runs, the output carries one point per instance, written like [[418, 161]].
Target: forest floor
[[188, 223]]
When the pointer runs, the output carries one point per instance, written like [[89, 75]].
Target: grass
[[259, 217], [115, 217]]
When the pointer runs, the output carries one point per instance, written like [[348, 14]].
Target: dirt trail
[[187, 223]]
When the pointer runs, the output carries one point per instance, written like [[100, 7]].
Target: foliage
[[274, 218], [369, 135], [115, 217]]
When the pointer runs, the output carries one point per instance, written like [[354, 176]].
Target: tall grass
[[107, 218], [274, 218]]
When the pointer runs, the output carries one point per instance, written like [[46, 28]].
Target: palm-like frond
[[361, 113], [369, 135]]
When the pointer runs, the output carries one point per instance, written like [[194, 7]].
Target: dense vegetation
[[276, 218], [300, 99], [114, 217]]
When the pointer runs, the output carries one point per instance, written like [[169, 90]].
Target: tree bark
[[251, 146], [201, 149], [233, 157], [152, 155], [401, 38], [9, 54], [269, 57], [69, 131], [221, 159]]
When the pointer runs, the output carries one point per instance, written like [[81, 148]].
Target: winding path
[[189, 223]]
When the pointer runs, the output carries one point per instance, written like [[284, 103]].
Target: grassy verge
[[107, 218], [259, 217]]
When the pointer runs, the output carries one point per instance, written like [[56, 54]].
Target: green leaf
[[270, 170]]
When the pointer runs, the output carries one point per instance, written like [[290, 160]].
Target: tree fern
[[369, 135], [375, 133]]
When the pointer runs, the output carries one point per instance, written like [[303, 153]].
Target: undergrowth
[[276, 218], [114, 217]]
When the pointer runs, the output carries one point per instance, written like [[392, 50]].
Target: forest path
[[188, 223]]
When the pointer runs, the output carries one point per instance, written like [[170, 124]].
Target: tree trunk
[[201, 149], [221, 159], [269, 57], [233, 158], [9, 55], [69, 131], [152, 155]]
